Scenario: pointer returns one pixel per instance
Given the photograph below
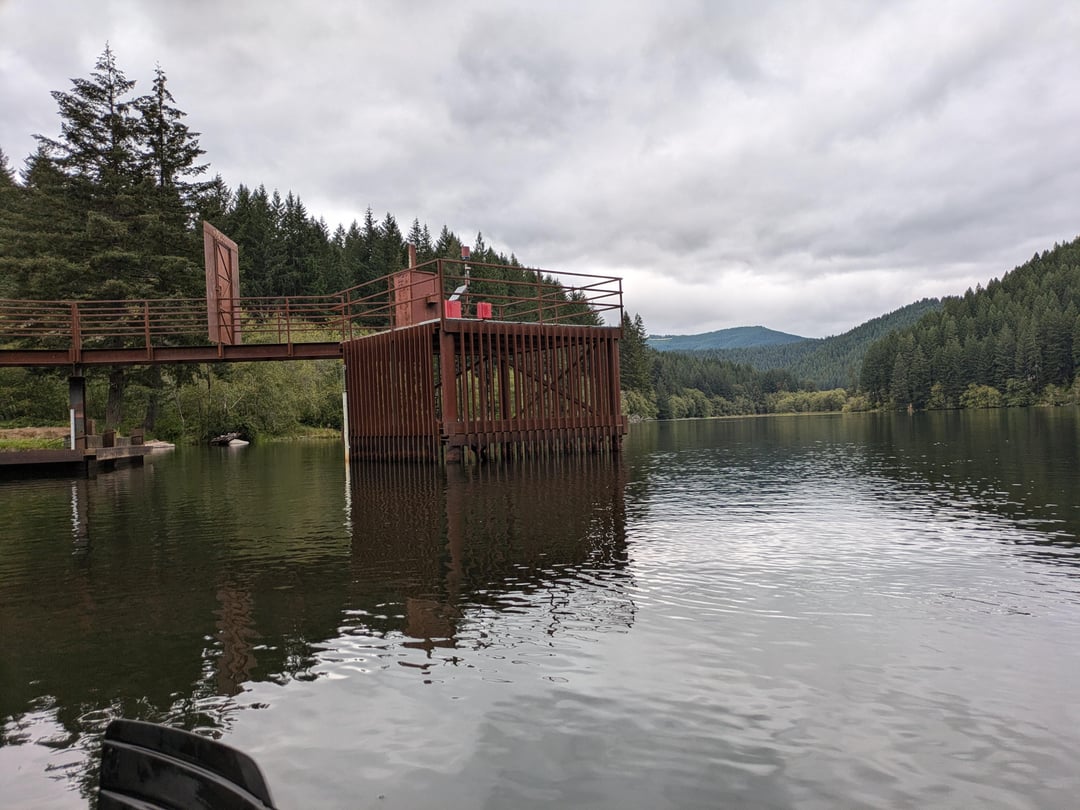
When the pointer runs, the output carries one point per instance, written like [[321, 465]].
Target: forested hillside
[[832, 362], [1016, 342], [676, 385], [735, 338]]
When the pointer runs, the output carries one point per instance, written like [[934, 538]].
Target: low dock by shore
[[101, 454]]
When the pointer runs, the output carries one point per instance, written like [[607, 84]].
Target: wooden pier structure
[[92, 454], [444, 361]]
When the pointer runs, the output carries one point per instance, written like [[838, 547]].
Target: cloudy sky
[[799, 165]]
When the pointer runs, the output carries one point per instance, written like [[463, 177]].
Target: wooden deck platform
[[86, 462]]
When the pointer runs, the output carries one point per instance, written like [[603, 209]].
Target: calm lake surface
[[785, 612]]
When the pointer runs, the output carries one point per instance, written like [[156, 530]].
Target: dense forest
[[677, 385], [1014, 342], [110, 209]]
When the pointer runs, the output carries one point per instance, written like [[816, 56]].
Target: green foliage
[[807, 401], [639, 404], [634, 355], [682, 385], [30, 397], [857, 403], [12, 445], [1018, 336], [255, 399], [106, 210], [1018, 393], [1056, 395], [7, 175], [981, 396]]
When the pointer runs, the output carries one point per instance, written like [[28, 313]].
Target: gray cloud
[[805, 166]]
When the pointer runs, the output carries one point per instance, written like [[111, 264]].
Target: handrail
[[515, 294]]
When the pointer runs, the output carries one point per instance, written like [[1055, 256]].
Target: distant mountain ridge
[[832, 362], [738, 337]]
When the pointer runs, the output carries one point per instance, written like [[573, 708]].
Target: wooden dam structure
[[444, 361]]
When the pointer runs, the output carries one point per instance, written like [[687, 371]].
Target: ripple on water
[[814, 622]]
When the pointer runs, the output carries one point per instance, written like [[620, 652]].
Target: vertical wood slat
[[523, 389], [390, 391]]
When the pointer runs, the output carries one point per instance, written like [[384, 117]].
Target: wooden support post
[[448, 380]]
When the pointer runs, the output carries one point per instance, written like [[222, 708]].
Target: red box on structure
[[453, 309], [483, 310]]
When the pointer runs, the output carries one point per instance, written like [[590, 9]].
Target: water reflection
[[164, 599], [431, 550], [806, 611], [1019, 464]]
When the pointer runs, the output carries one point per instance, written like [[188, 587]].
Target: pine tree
[[106, 203], [7, 174], [10, 198], [356, 254], [391, 255], [98, 130], [634, 355], [448, 246], [215, 202], [170, 150], [372, 241], [420, 238], [425, 251]]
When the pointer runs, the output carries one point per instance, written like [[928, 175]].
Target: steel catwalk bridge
[[440, 358]]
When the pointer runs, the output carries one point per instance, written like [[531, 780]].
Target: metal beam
[[245, 353]]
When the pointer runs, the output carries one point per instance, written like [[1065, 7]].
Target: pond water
[[783, 612]]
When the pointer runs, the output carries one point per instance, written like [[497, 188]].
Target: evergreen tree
[[355, 255], [372, 241], [7, 174], [426, 248], [634, 355], [104, 209], [98, 133], [215, 203], [10, 198], [420, 238], [170, 150], [448, 246], [391, 255]]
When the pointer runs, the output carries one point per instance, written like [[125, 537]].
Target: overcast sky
[[804, 166]]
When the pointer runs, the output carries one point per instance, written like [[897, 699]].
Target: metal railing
[[512, 294]]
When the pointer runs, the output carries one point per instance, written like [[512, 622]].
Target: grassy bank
[[33, 438]]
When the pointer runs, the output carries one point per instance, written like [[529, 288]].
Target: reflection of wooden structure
[[447, 544]]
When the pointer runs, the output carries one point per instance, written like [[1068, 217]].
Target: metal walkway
[[441, 359]]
